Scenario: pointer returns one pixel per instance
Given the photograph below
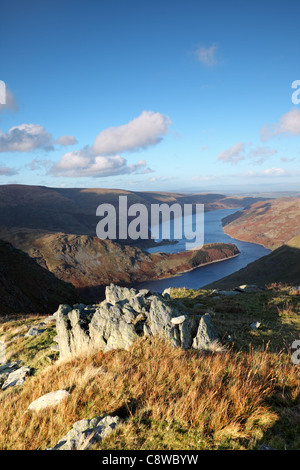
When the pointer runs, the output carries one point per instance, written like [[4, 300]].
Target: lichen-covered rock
[[120, 319], [17, 377], [109, 329], [6, 369], [206, 333], [86, 432]]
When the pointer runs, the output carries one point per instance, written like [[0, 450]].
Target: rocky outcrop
[[124, 316]]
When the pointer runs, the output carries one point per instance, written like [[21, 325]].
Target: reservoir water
[[199, 277]]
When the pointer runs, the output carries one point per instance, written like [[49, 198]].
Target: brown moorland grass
[[168, 398]]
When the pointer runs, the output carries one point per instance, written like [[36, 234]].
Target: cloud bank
[[103, 159]]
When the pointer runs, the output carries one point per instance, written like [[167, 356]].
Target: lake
[[199, 277]]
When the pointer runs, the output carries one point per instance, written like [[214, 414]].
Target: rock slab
[[86, 432]]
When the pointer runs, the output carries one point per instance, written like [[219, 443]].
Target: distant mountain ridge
[[72, 210]]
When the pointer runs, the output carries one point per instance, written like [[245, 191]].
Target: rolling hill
[[90, 263], [269, 223], [73, 210]]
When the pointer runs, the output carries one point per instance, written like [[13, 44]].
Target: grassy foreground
[[169, 398]]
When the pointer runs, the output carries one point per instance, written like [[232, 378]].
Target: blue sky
[[150, 95]]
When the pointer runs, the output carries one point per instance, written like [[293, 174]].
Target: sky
[[160, 95]]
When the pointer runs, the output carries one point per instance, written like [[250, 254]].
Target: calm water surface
[[213, 233]]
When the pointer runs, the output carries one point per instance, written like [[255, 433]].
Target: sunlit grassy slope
[[170, 398]]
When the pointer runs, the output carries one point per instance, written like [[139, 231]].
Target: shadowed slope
[[26, 287]]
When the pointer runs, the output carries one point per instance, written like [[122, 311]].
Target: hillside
[[270, 223], [90, 263], [240, 398], [26, 287], [72, 210], [280, 266]]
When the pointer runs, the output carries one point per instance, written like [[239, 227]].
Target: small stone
[[178, 320], [48, 400]]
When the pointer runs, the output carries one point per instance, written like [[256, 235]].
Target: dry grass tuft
[[222, 399]]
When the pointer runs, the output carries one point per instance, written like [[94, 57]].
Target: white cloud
[[234, 154], [66, 140], [145, 130], [10, 101], [82, 163], [289, 123], [28, 137], [207, 55], [24, 138]]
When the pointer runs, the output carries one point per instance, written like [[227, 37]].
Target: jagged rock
[[188, 330], [120, 319], [48, 400], [114, 294], [86, 432], [6, 369], [159, 320], [206, 333], [17, 377]]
